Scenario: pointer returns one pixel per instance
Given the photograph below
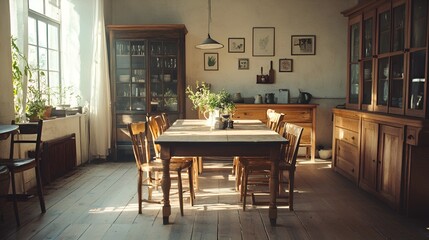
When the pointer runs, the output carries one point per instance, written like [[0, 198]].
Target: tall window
[[44, 44]]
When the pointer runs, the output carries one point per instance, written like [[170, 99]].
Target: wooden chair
[[273, 122], [29, 134], [145, 164], [165, 121], [157, 125], [164, 124], [287, 164]]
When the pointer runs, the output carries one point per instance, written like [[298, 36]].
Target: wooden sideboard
[[303, 115], [385, 155]]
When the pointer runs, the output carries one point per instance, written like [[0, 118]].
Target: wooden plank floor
[[98, 201]]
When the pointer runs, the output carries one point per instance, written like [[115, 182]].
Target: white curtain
[[100, 120], [84, 61]]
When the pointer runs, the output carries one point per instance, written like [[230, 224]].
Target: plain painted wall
[[323, 75]]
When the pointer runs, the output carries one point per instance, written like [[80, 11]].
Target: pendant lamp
[[209, 43]]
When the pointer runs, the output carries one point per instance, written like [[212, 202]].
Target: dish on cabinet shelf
[[124, 78]]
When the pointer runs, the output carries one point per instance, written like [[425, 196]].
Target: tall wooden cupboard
[[147, 72], [381, 138]]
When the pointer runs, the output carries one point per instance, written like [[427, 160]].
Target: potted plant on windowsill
[[37, 107], [36, 99]]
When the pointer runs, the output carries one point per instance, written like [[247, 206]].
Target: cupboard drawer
[[251, 114], [347, 123], [347, 158], [346, 135], [292, 115], [296, 115]]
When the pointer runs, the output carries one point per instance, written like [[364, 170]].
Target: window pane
[[42, 34], [53, 37], [32, 31], [43, 58], [54, 84], [32, 56], [53, 60], [53, 10], [36, 5]]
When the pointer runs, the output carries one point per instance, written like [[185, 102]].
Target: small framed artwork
[[263, 41], [285, 65], [303, 45], [243, 63], [211, 61], [236, 45]]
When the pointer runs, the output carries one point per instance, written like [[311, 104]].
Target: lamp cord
[[210, 15]]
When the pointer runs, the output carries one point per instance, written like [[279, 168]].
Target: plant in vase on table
[[207, 102]]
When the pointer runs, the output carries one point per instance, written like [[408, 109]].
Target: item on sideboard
[[258, 99], [269, 98], [236, 98], [304, 97], [283, 96]]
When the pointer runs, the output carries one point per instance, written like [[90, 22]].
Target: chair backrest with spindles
[[292, 133], [155, 127], [141, 150], [274, 120]]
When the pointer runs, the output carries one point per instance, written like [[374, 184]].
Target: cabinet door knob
[[353, 138], [373, 160], [353, 170], [410, 137]]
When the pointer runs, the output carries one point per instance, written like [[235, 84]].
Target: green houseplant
[[206, 101], [36, 99]]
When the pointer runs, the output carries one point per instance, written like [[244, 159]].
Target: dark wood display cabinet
[[381, 139], [147, 71]]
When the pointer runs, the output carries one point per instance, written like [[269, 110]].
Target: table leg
[[274, 185], [166, 185]]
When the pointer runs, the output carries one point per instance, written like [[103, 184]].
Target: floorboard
[[99, 201]]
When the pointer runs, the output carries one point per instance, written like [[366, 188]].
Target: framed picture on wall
[[303, 45], [263, 41], [236, 45], [211, 61], [243, 63], [285, 65]]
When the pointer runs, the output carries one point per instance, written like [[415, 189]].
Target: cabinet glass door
[[417, 80], [164, 76], [417, 58], [367, 82], [354, 63], [138, 76], [367, 65], [383, 82], [397, 82], [384, 32], [123, 76], [398, 28]]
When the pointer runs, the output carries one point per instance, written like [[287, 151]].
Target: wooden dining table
[[191, 137]]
